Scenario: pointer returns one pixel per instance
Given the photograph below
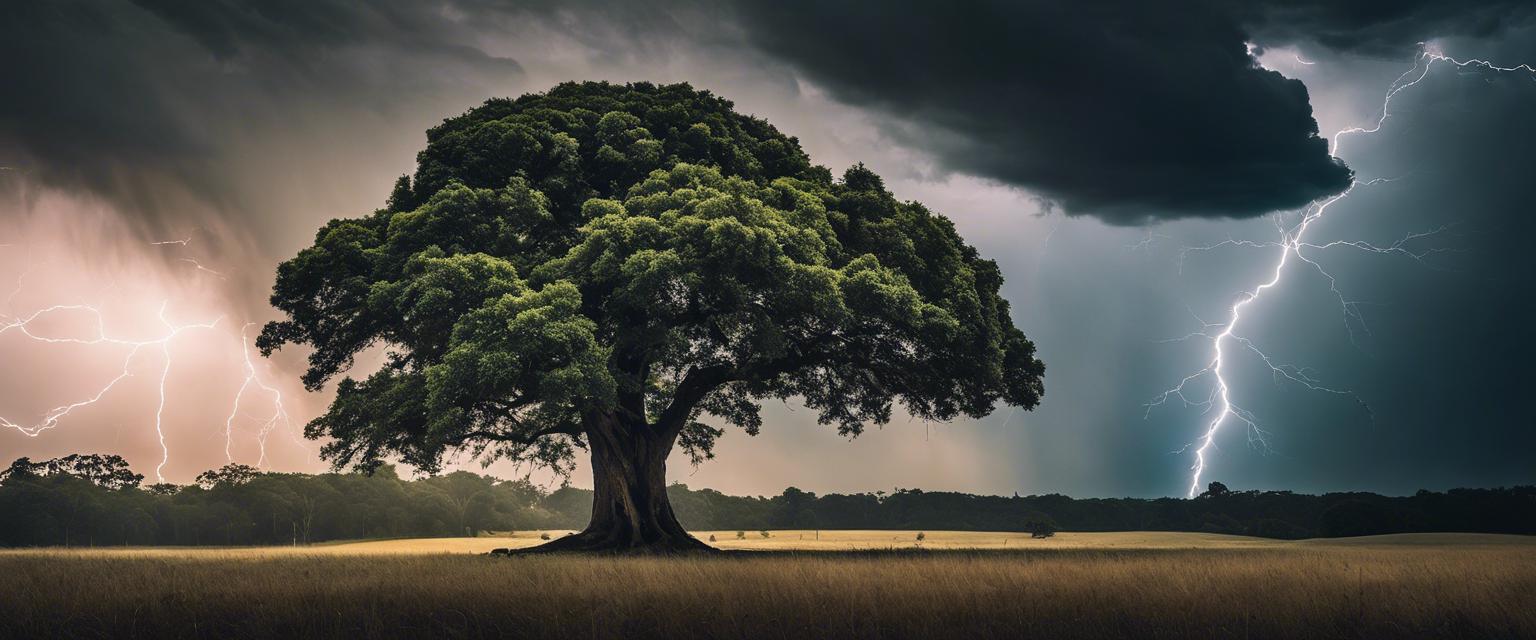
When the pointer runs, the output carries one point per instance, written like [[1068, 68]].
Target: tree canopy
[[636, 261], [110, 471]]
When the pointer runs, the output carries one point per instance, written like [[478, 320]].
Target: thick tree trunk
[[630, 509]]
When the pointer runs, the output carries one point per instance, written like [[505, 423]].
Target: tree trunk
[[630, 509]]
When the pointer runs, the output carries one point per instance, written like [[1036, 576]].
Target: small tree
[[920, 536], [108, 471], [464, 499], [1041, 526], [544, 536], [1215, 490], [764, 532], [163, 489], [711, 537], [741, 535], [233, 474], [22, 468]]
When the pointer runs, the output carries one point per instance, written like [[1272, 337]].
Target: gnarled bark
[[630, 509]]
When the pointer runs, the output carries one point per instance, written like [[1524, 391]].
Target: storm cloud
[[1389, 28], [1128, 112], [123, 98]]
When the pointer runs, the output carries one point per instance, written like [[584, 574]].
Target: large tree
[[618, 269]]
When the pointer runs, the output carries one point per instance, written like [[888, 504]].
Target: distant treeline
[[86, 500]]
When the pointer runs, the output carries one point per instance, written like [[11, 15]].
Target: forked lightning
[[130, 354], [1293, 243]]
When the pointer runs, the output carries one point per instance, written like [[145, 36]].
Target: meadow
[[875, 584]]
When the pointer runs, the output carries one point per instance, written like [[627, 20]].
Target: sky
[[1132, 167]]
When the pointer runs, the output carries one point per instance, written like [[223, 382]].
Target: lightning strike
[[51, 418], [1292, 244], [131, 352], [266, 425], [197, 265]]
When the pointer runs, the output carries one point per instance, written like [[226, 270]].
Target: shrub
[[1041, 526], [711, 537], [741, 535], [544, 536], [764, 533], [920, 536]]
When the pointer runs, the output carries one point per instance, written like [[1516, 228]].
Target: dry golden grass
[[892, 540], [808, 540], [1147, 585]]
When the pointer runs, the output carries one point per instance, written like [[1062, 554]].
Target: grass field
[[957, 584]]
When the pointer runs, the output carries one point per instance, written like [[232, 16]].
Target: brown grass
[[1469, 586]]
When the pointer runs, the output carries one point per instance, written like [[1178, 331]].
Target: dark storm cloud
[[1128, 112], [1124, 111], [96, 88], [299, 29], [1380, 27]]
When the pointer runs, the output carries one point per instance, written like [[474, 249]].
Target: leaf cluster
[[643, 251]]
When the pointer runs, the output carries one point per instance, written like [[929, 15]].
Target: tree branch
[[524, 438], [695, 385], [699, 382]]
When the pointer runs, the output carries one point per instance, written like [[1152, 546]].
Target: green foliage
[[163, 489], [464, 500], [235, 474], [1040, 526], [1215, 490], [641, 251], [108, 471], [263, 508]]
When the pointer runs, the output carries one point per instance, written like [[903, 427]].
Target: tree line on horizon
[[96, 500]]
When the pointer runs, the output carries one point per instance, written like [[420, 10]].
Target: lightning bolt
[[51, 418], [199, 266], [1293, 245], [132, 356], [279, 412]]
